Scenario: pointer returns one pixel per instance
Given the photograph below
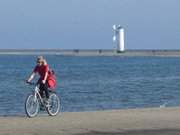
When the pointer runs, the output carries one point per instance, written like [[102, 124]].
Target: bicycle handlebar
[[31, 83]]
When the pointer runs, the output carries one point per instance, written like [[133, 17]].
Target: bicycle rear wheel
[[54, 105], [31, 106]]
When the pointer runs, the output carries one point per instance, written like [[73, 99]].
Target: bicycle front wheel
[[54, 105], [31, 106]]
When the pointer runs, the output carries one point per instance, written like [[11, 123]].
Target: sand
[[156, 121]]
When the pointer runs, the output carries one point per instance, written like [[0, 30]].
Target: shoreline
[[157, 121], [92, 52]]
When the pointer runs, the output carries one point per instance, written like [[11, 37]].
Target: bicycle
[[35, 102]]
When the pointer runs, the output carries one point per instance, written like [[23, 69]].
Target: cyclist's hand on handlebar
[[28, 82], [43, 81], [31, 83]]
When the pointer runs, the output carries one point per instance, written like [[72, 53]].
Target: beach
[[156, 121], [96, 83]]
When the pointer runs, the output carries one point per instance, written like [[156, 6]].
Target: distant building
[[119, 38]]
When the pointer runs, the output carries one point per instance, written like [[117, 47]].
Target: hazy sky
[[87, 24]]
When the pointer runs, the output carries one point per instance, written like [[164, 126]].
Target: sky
[[87, 24]]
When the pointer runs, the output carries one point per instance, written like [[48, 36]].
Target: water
[[95, 83]]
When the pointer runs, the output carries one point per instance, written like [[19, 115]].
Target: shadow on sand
[[137, 132]]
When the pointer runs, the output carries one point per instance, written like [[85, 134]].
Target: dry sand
[[152, 121]]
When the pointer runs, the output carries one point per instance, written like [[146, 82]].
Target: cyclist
[[42, 68]]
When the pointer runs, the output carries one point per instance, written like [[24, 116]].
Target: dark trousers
[[44, 88]]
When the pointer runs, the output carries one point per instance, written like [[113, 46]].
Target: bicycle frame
[[37, 94], [35, 103]]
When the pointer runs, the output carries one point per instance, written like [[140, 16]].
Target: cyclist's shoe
[[42, 108]]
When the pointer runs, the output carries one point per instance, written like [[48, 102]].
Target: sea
[[94, 83]]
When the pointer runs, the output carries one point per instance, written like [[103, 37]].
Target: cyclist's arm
[[45, 78], [46, 74], [31, 77]]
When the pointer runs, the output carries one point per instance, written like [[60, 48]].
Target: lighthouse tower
[[119, 38]]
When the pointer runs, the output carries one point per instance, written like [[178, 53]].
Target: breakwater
[[90, 52]]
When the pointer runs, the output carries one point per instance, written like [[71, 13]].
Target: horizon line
[[52, 49]]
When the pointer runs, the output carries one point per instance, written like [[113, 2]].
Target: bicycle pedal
[[42, 108], [48, 105]]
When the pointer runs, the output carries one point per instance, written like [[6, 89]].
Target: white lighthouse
[[118, 37]]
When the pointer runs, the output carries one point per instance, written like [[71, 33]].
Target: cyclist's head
[[40, 60]]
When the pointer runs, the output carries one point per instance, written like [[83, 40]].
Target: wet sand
[[152, 121]]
